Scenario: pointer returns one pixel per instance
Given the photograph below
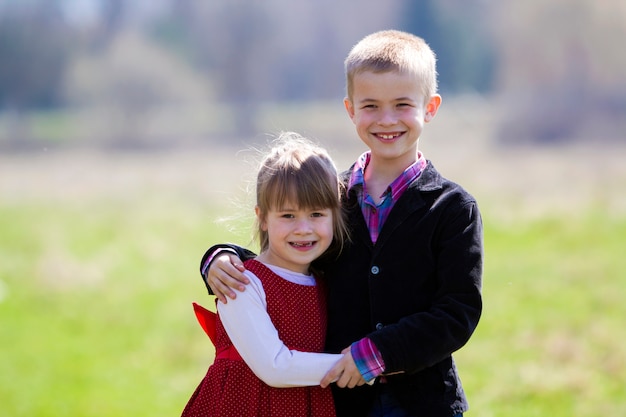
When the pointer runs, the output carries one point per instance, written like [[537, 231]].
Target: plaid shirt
[[366, 356], [376, 214]]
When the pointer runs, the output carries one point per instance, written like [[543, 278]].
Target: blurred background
[[122, 126], [165, 73]]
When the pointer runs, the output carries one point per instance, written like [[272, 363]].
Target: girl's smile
[[296, 237]]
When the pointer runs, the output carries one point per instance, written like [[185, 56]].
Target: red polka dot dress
[[231, 389]]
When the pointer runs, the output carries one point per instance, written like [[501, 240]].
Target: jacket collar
[[429, 179]]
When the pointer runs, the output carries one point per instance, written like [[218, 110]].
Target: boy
[[405, 293]]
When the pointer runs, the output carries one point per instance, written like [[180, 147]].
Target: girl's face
[[389, 111], [296, 236]]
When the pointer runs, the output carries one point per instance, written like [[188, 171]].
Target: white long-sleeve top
[[251, 330]]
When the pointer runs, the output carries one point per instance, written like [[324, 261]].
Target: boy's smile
[[389, 111]]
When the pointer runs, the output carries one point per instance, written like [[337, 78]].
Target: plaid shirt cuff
[[368, 359]]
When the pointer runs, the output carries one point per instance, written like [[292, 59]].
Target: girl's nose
[[303, 226]]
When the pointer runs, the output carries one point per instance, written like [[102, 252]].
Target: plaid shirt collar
[[397, 187]]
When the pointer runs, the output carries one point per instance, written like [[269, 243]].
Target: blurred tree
[[270, 51], [129, 84], [456, 31], [174, 30], [34, 52], [34, 49], [229, 41], [565, 79], [111, 19]]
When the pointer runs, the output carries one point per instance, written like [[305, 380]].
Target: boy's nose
[[387, 118]]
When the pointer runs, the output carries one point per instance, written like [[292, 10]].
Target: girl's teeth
[[302, 244]]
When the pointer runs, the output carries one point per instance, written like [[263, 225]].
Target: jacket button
[[379, 326], [375, 270]]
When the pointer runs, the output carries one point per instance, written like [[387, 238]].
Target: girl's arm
[[252, 332]]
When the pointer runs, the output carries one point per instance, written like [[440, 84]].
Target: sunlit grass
[[96, 317], [550, 341]]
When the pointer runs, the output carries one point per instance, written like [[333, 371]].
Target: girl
[[265, 339]]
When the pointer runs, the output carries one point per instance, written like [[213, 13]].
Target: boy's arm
[[222, 270]]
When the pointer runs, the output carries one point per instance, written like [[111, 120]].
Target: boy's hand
[[344, 373], [226, 274]]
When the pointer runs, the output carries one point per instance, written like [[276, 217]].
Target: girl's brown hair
[[298, 172]]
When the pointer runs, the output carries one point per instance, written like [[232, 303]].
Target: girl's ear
[[431, 107], [260, 219]]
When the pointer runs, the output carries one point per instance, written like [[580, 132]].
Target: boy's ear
[[349, 107], [431, 107]]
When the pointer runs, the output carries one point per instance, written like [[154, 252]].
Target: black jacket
[[416, 294]]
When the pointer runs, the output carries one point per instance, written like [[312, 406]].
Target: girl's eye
[[320, 214], [287, 216]]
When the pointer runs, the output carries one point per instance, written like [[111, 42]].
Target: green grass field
[[96, 318]]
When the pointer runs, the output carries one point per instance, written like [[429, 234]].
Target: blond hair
[[298, 172], [393, 50]]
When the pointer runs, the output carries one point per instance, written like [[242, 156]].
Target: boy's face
[[389, 111]]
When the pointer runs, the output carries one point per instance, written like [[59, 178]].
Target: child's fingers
[[331, 376], [222, 285], [236, 262], [229, 270], [221, 291]]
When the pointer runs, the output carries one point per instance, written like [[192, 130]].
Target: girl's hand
[[225, 274]]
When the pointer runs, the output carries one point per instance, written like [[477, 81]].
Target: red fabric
[[230, 388], [206, 318]]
